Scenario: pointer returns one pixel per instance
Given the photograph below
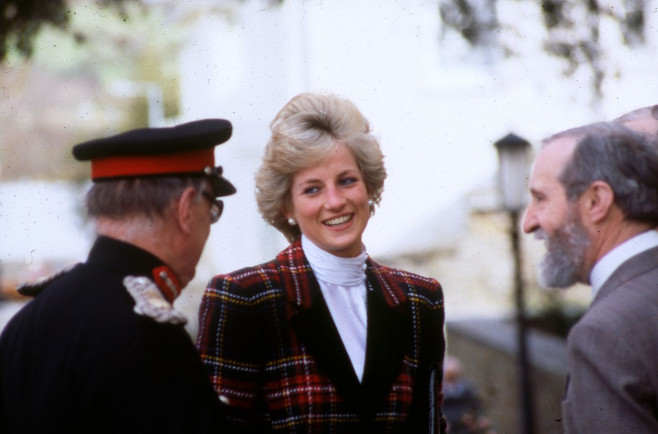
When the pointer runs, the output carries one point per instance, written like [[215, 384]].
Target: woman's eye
[[348, 181], [310, 190]]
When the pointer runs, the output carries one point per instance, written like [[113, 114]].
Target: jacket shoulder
[[290, 260], [247, 279], [407, 285], [36, 287], [421, 282]]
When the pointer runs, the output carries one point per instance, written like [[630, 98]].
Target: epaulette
[[149, 301], [32, 289]]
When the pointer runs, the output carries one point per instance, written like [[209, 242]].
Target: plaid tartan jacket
[[277, 360]]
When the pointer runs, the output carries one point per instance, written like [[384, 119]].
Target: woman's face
[[330, 203]]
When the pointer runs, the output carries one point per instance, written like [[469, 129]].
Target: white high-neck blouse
[[342, 282]]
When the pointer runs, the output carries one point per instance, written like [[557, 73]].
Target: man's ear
[[598, 200], [183, 209]]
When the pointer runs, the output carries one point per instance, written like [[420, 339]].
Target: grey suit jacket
[[613, 355]]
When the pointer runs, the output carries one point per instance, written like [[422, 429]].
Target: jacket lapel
[[389, 335], [317, 331], [313, 324], [635, 266]]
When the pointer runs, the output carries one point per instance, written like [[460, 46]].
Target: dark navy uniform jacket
[[77, 358]]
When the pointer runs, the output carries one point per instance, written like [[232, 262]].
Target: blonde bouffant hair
[[304, 133]]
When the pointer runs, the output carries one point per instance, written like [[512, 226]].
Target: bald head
[[643, 120]]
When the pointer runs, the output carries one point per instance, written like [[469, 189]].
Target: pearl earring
[[371, 203], [291, 221]]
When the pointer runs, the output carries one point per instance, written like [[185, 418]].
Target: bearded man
[[594, 200]]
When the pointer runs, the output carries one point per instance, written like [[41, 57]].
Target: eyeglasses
[[216, 206]]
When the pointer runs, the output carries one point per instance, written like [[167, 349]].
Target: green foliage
[[474, 20], [572, 28], [66, 90], [22, 20]]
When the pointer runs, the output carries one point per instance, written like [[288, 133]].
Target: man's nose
[[529, 220]]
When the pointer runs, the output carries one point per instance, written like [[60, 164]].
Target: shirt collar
[[334, 269], [607, 265]]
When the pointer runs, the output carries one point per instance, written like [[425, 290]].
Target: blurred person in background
[[462, 406], [594, 201], [322, 338], [100, 348]]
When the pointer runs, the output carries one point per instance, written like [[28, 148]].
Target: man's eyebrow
[[536, 192]]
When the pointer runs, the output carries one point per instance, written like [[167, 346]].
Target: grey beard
[[563, 264]]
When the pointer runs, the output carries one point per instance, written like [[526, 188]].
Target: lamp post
[[513, 175]]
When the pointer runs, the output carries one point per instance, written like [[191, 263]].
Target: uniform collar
[[129, 259]]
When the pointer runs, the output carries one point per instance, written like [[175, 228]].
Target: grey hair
[[580, 132], [640, 113], [623, 159], [137, 197], [304, 132]]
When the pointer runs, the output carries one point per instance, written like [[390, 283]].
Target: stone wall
[[487, 351]]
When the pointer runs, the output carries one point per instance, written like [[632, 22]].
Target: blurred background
[[440, 81]]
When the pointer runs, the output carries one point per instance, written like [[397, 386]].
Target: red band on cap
[[141, 165]]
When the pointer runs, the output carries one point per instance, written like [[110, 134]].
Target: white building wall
[[437, 107]]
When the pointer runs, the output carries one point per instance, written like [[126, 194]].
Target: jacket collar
[[302, 287], [129, 259], [389, 329], [635, 266]]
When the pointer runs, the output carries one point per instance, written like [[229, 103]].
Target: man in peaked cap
[[100, 348]]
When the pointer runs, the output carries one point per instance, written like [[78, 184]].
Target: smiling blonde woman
[[322, 338]]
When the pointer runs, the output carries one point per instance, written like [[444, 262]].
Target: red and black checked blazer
[[276, 358]]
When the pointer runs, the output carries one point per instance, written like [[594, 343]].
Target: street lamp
[[513, 177], [513, 171]]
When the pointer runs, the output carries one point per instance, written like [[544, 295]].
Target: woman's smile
[[338, 220]]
